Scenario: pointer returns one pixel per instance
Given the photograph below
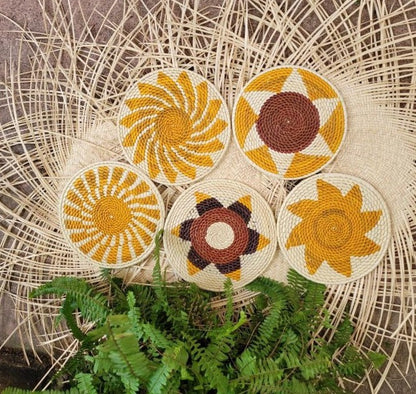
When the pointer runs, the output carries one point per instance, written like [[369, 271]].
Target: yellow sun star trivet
[[110, 214], [289, 122], [219, 229], [174, 125], [334, 228]]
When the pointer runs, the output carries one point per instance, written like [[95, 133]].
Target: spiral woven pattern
[[219, 229], [174, 125], [110, 214], [334, 228], [289, 121]]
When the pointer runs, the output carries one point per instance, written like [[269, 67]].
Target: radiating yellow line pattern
[[174, 125], [315, 90], [110, 213]]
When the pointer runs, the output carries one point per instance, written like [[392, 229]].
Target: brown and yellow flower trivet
[[174, 125], [110, 214], [334, 228], [219, 229], [289, 121]]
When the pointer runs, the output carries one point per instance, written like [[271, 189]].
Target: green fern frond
[[343, 334], [314, 298], [69, 306], [159, 380], [85, 383], [352, 363], [92, 305], [377, 359], [174, 359], [297, 281], [118, 296], [266, 336], [272, 289], [127, 361], [310, 369], [210, 364], [258, 375]]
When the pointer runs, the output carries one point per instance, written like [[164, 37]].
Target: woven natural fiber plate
[[110, 214], [333, 228], [219, 229], [174, 125], [289, 122]]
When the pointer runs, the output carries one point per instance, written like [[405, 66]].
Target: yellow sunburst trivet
[[219, 229], [174, 125], [110, 214], [289, 121], [334, 228]]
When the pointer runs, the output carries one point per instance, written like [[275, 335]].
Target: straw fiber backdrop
[[65, 74]]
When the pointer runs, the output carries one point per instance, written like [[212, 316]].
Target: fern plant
[[167, 339]]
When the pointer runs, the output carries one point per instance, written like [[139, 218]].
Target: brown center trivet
[[219, 229], [289, 122]]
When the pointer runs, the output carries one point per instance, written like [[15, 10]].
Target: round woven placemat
[[110, 213], [289, 122], [219, 229], [174, 125], [334, 228]]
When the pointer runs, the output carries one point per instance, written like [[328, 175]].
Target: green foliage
[[12, 390], [168, 339]]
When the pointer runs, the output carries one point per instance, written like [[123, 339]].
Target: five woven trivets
[[289, 122], [219, 229], [174, 125], [333, 228], [110, 214]]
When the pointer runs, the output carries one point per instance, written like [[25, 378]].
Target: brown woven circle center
[[173, 126], [111, 215], [200, 228], [288, 122], [333, 229]]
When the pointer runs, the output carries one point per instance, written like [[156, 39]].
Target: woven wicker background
[[60, 117]]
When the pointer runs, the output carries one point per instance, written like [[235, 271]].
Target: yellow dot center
[[111, 215], [333, 228], [173, 126]]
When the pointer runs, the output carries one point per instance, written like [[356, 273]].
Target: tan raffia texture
[[63, 116]]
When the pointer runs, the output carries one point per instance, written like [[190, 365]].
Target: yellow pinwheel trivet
[[289, 122], [333, 228], [110, 214], [174, 125], [219, 229]]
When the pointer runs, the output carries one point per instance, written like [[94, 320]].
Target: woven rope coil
[[219, 229], [334, 228], [110, 213], [289, 122], [174, 125]]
